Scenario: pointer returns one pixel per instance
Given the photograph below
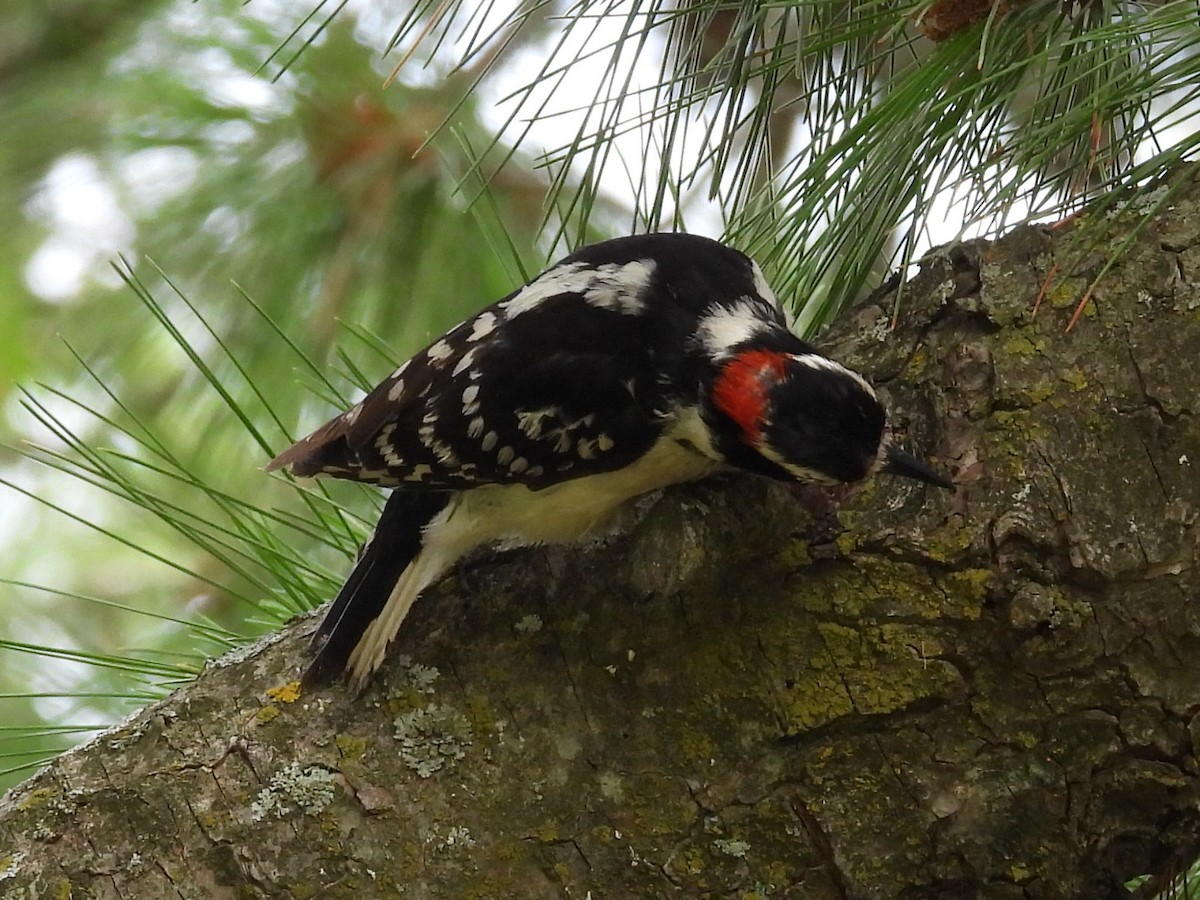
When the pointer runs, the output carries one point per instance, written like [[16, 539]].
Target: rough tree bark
[[759, 691]]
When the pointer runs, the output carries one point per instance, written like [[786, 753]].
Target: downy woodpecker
[[628, 366]]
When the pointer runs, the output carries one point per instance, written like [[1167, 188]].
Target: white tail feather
[[371, 649]]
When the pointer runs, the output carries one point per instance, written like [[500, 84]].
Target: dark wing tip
[[283, 460], [310, 454], [293, 457]]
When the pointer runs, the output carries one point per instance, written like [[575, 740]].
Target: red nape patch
[[741, 388]]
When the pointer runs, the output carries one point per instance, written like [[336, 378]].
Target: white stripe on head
[[800, 473], [816, 361], [724, 327]]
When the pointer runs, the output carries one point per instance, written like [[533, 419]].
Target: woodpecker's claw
[[897, 462]]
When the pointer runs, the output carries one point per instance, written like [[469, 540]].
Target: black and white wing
[[551, 383]]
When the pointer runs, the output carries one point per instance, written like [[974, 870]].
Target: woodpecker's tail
[[387, 578]]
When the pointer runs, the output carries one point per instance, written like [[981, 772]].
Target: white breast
[[513, 515]]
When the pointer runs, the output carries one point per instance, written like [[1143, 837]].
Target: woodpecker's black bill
[[900, 463]]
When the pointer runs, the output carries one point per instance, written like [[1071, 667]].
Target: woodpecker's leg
[[390, 566]]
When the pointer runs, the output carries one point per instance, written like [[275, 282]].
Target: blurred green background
[[169, 134]]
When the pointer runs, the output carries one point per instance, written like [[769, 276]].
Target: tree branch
[[759, 690]]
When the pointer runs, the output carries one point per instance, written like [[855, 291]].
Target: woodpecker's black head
[[811, 418]]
